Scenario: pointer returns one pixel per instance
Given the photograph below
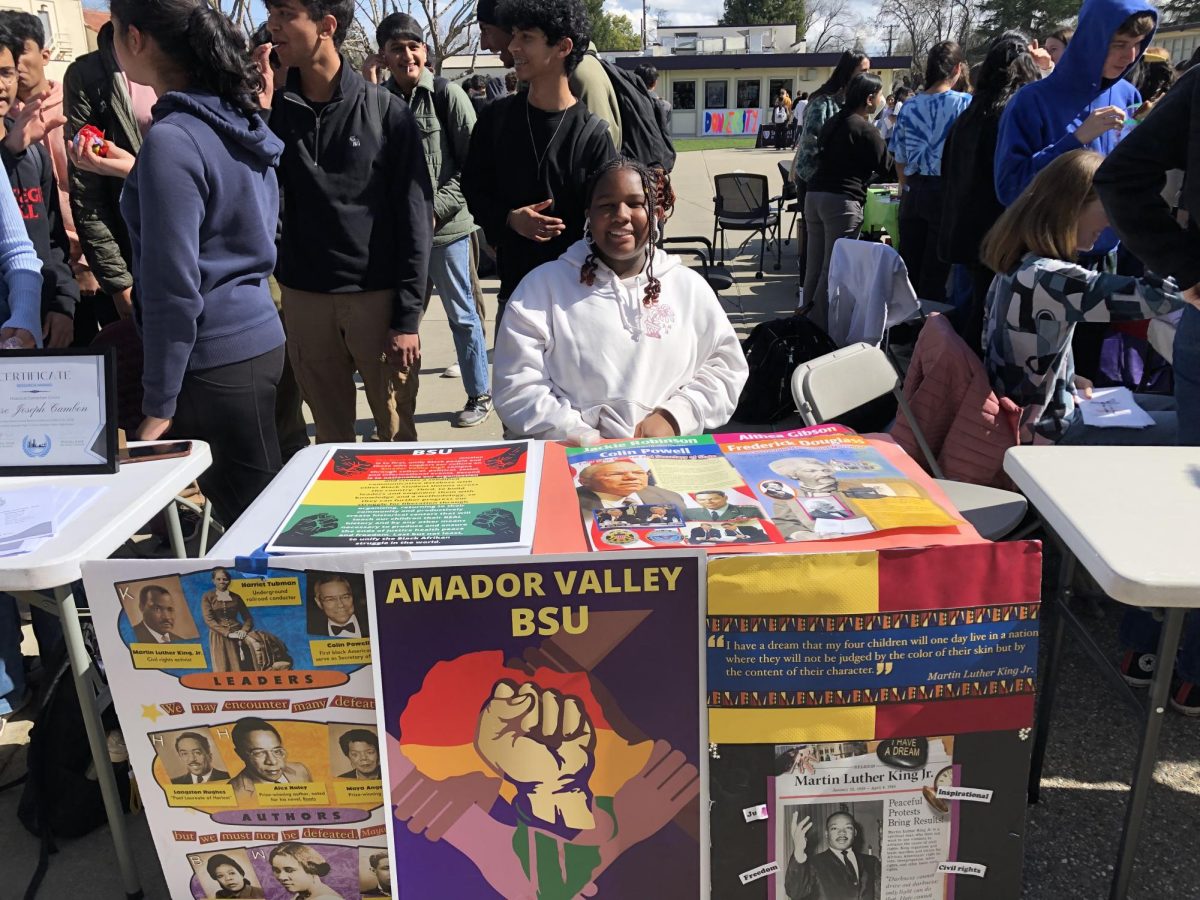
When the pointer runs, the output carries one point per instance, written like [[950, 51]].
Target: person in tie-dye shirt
[[916, 145], [1041, 293]]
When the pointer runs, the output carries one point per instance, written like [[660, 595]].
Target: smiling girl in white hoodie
[[616, 339]]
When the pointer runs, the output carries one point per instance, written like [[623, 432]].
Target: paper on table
[[1113, 408], [31, 515]]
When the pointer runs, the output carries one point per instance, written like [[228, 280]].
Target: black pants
[[233, 408], [92, 313], [920, 223], [970, 320], [781, 133]]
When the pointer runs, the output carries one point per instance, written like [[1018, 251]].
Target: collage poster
[[544, 726], [421, 497], [246, 702], [725, 491], [869, 719]]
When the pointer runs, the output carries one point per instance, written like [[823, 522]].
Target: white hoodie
[[580, 363]]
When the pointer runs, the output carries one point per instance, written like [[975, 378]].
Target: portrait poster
[[869, 719], [728, 493], [421, 497], [247, 703], [544, 726]]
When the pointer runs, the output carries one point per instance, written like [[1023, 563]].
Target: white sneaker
[[452, 371]]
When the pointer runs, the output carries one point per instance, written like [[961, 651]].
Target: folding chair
[[831, 385], [744, 203]]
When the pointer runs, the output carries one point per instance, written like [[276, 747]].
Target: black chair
[[719, 278], [793, 202], [744, 203]]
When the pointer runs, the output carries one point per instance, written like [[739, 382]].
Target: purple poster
[[543, 725]]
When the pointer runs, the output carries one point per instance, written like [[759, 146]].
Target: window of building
[[748, 93], [776, 84], [683, 95], [715, 95], [685, 43], [47, 25]]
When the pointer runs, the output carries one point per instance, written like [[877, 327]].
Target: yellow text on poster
[[341, 652], [168, 656], [418, 491], [211, 794], [357, 793], [301, 794], [268, 591]]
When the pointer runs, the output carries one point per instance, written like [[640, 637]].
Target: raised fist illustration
[[317, 523], [507, 459], [543, 742], [498, 521], [349, 463]]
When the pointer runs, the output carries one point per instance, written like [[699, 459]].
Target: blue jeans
[[12, 669], [450, 272], [1161, 434], [1187, 377]]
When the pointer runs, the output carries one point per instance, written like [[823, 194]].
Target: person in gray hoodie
[[201, 202]]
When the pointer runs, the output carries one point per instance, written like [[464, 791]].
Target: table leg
[[81, 664], [175, 530], [1041, 734], [1135, 807]]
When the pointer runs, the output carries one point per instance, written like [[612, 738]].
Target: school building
[[1180, 39], [728, 94], [66, 35]]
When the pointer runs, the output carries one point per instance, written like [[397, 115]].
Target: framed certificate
[[58, 412]]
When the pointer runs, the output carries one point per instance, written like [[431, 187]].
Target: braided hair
[[656, 185]]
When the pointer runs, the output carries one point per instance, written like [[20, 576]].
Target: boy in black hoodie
[[532, 152], [31, 175], [357, 210]]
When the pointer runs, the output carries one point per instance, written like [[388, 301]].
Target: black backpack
[[773, 350], [644, 135]]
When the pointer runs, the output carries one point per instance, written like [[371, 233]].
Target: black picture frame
[[109, 466]]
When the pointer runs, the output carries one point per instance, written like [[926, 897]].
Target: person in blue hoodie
[[202, 203], [1084, 102]]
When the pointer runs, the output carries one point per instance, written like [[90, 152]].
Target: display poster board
[[544, 725], [729, 492], [869, 719], [247, 703], [731, 121], [423, 497]]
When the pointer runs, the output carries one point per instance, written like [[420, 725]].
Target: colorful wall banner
[[247, 703], [543, 719], [732, 121]]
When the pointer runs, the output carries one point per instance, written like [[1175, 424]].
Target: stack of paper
[[29, 516], [1113, 408]]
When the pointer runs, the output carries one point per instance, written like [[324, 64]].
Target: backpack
[[644, 135], [773, 350], [62, 798]]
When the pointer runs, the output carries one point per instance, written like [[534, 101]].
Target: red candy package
[[93, 138]]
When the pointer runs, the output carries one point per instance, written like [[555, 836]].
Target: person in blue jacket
[[1084, 102]]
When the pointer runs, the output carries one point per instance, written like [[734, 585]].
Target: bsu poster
[[869, 719], [543, 723], [247, 704]]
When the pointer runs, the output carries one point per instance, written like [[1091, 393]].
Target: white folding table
[[1140, 548], [133, 496]]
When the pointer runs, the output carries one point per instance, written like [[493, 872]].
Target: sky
[[705, 12]]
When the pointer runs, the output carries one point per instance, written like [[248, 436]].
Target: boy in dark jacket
[[31, 175], [532, 153], [357, 225]]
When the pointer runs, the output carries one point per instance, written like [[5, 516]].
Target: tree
[[923, 23], [764, 12], [448, 28], [1034, 17], [828, 26], [611, 31]]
